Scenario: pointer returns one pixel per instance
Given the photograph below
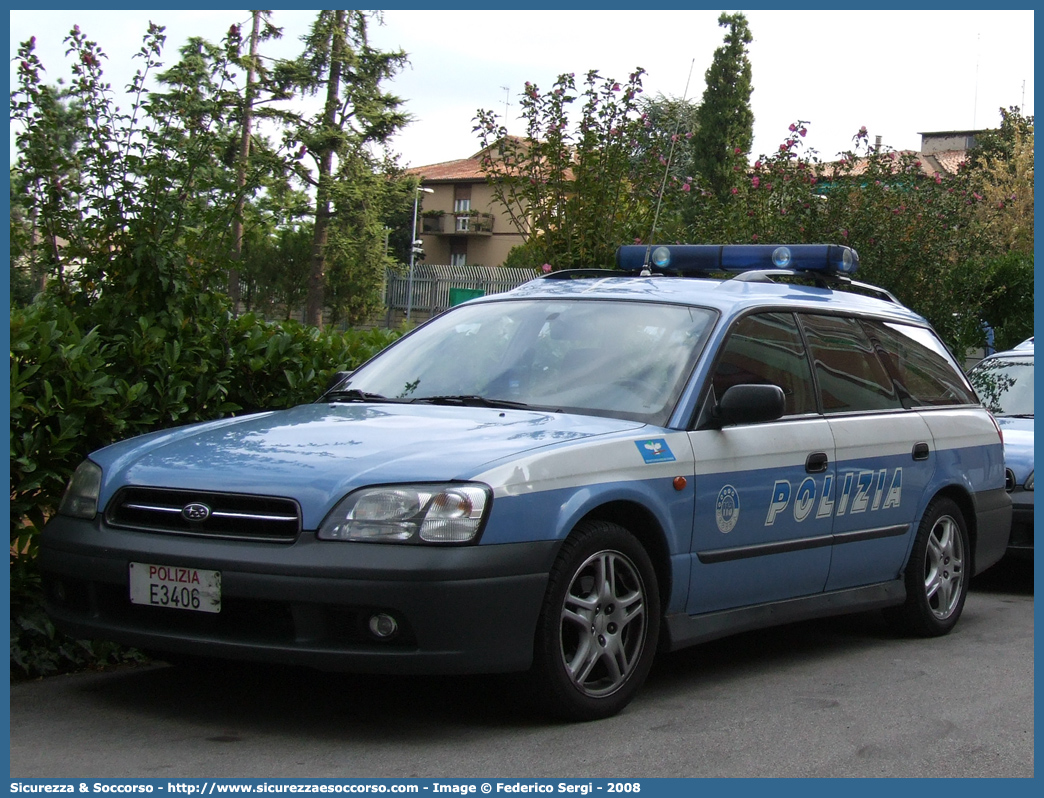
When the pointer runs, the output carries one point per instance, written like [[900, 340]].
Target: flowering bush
[[919, 234]]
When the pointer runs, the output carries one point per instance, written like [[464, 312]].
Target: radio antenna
[[666, 172]]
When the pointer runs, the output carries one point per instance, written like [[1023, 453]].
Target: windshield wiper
[[355, 395], [471, 400]]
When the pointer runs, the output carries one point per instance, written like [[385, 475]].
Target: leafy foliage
[[575, 191], [918, 234], [73, 391], [129, 215]]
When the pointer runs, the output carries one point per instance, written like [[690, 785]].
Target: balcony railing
[[458, 224]]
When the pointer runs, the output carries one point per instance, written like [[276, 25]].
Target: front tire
[[937, 574], [599, 624]]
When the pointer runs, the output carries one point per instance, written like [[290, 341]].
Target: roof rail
[[571, 274]]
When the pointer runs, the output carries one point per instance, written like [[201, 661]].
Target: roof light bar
[[692, 259]]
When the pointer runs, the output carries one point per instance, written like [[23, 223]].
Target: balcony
[[471, 223]]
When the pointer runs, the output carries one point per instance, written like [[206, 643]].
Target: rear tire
[[599, 624], [937, 574]]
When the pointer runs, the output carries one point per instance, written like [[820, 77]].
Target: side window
[[851, 376], [766, 348], [919, 365]]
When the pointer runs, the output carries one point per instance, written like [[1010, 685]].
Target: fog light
[[383, 625]]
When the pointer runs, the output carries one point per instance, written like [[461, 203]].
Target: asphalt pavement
[[837, 697]]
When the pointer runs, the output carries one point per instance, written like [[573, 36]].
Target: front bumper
[[467, 609]]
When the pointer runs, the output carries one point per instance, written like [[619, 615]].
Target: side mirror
[[749, 404]]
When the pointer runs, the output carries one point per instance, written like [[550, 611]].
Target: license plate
[[178, 588]]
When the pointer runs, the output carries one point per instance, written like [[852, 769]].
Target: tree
[[725, 123], [339, 61], [254, 69], [1001, 170], [574, 192], [1001, 165]]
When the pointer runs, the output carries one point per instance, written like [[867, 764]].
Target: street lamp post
[[414, 243]]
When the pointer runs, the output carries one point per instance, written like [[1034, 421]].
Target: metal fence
[[436, 287]]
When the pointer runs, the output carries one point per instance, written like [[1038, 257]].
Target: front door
[[764, 492]]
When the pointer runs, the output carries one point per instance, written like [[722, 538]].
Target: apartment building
[[461, 222]]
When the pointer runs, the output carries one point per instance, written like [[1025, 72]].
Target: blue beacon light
[[683, 259]]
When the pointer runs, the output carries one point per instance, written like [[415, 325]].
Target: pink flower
[[757, 164], [755, 182], [546, 268], [754, 237], [637, 241], [768, 187], [737, 151], [977, 196], [844, 234], [782, 147], [685, 187], [802, 132], [735, 190], [792, 128], [616, 87]]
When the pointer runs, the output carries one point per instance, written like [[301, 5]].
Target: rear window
[[919, 364]]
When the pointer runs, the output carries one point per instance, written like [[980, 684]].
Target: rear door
[[884, 450]]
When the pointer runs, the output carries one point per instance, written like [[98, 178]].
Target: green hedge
[[74, 390]]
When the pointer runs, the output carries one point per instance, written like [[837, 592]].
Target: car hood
[[1018, 444], [317, 453]]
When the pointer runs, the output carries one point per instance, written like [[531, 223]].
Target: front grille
[[205, 513], [1009, 480]]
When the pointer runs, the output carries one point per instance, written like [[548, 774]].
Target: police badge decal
[[726, 509]]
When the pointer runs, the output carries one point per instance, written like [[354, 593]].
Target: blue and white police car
[[1004, 382], [562, 480]]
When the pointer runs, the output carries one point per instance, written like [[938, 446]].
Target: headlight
[[81, 494], [409, 514], [1029, 482]]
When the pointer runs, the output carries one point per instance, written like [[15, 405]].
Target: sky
[[899, 73]]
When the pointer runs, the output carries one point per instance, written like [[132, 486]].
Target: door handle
[[920, 451], [816, 463]]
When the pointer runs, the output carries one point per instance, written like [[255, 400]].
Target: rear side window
[[851, 377], [766, 349], [920, 365]]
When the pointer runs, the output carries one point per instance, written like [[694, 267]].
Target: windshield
[[1005, 385], [622, 359]]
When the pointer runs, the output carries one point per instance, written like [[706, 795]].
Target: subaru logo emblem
[[195, 511]]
